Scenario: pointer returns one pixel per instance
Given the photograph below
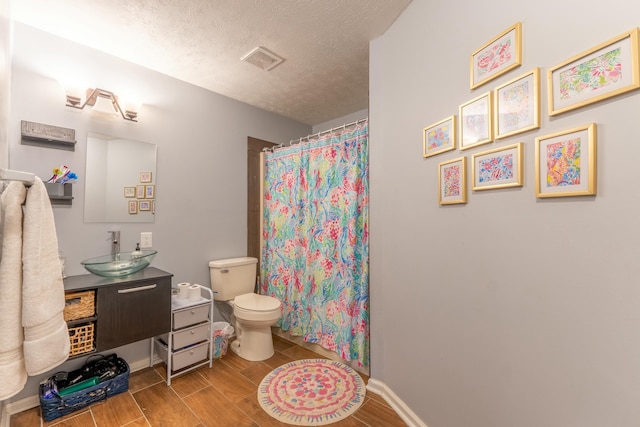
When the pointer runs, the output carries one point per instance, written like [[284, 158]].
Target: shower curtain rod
[[308, 137]]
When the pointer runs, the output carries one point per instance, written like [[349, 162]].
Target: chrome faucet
[[115, 244]]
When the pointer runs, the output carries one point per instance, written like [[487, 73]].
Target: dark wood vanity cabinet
[[128, 309], [132, 312]]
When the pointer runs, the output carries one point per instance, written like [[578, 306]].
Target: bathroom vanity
[[127, 309]]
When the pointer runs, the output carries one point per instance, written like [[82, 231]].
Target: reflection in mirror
[[120, 180]]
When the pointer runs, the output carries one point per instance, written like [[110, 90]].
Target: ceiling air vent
[[262, 58]]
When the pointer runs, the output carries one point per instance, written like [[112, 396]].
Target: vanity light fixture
[[97, 96]]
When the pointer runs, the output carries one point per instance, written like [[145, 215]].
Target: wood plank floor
[[222, 396]]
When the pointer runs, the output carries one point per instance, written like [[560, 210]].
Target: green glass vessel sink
[[124, 264]]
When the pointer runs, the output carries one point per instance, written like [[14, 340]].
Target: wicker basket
[[78, 305], [56, 406], [81, 338]]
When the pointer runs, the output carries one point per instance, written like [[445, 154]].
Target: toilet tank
[[232, 277]]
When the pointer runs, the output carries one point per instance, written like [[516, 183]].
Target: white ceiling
[[325, 44]]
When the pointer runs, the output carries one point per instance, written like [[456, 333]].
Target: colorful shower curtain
[[315, 258]]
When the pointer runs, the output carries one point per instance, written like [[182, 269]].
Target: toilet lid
[[256, 302]]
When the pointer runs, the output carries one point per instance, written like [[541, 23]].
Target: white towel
[[13, 374], [46, 337]]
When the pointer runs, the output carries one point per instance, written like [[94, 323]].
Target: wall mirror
[[120, 180]]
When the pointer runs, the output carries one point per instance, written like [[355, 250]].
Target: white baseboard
[[143, 364], [19, 406], [4, 415], [29, 402], [407, 415]]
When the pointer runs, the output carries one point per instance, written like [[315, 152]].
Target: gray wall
[[507, 311], [349, 118], [201, 171]]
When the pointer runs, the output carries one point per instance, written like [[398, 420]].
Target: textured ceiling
[[325, 44]]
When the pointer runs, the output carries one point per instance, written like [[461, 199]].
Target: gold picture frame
[[517, 105], [604, 71], [144, 205], [501, 54], [150, 191], [146, 177], [476, 121], [439, 137], [452, 181], [566, 163], [497, 168]]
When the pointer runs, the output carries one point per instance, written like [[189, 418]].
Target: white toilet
[[234, 280]]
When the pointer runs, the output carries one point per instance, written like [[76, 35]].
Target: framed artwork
[[133, 207], [149, 191], [145, 177], [498, 168], [140, 191], [607, 70], [496, 57], [476, 122], [153, 207], [439, 137], [144, 205], [129, 191], [566, 163], [517, 105], [452, 181]]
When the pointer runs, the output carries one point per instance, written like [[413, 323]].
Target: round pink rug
[[311, 392]]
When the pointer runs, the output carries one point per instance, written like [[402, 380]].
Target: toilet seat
[[256, 307], [256, 302]]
